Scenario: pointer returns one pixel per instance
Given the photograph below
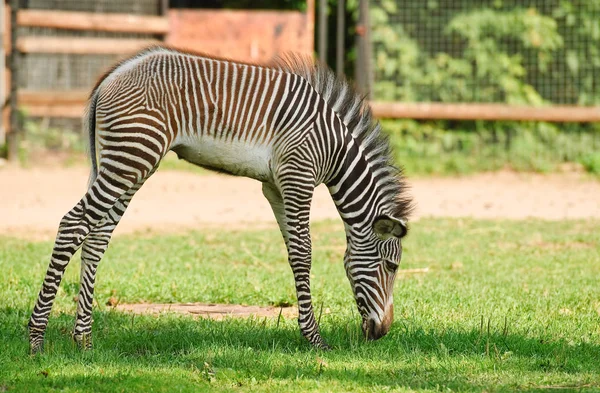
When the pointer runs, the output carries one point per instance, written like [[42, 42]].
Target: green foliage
[[490, 51], [443, 147], [591, 162], [40, 141], [507, 51], [505, 306], [41, 136]]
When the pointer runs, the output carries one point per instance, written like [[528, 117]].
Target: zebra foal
[[291, 125]]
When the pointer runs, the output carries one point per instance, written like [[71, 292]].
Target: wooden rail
[[68, 111], [53, 97], [124, 23], [83, 45], [436, 111], [71, 104], [68, 104]]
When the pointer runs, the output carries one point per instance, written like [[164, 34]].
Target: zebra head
[[371, 262]]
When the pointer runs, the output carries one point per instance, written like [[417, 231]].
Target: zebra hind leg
[[92, 252], [292, 212], [73, 229]]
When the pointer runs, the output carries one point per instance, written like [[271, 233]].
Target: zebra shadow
[[409, 357]]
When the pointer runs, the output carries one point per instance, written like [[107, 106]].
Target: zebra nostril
[[372, 327], [374, 330]]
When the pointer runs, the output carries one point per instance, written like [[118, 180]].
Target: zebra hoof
[[323, 346], [83, 341], [36, 349], [320, 344], [36, 340]]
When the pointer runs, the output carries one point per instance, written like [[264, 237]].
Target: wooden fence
[[243, 35], [255, 36], [70, 103]]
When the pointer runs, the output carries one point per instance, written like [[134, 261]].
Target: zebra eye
[[391, 266]]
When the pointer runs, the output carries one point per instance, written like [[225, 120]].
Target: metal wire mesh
[[61, 71], [515, 51]]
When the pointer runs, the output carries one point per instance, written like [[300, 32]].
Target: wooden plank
[[83, 45], [251, 36], [68, 104], [125, 23], [71, 111], [435, 111], [53, 97]]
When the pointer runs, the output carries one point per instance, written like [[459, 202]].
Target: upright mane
[[356, 114]]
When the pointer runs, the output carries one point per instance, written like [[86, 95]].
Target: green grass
[[448, 148], [505, 306]]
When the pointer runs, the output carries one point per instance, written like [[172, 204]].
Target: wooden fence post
[[4, 48], [340, 35], [12, 138], [362, 73], [323, 31]]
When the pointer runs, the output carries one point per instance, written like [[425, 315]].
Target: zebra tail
[[89, 128]]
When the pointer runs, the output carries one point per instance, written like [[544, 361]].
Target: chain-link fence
[[511, 51]]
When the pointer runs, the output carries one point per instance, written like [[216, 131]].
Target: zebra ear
[[386, 227]]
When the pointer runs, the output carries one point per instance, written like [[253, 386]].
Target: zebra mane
[[356, 114]]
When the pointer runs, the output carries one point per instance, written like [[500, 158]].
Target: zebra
[[291, 125]]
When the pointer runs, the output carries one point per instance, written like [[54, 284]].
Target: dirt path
[[33, 201], [212, 311]]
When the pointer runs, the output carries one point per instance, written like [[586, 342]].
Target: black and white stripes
[[291, 126]]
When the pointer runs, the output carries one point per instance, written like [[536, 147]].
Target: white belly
[[234, 157]]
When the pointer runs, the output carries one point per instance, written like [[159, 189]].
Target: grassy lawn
[[505, 306]]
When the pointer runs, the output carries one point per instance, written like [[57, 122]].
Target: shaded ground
[[34, 200]]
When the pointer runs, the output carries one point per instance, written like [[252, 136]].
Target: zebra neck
[[354, 188]]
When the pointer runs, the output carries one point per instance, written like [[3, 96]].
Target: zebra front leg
[[293, 219], [92, 251]]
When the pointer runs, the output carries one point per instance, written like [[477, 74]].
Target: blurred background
[[461, 86]]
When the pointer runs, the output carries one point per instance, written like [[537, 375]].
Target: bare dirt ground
[[212, 311], [32, 201]]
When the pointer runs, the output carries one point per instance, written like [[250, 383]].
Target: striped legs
[[72, 231], [292, 211], [92, 252], [113, 183]]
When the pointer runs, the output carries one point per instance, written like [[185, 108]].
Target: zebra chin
[[374, 329]]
